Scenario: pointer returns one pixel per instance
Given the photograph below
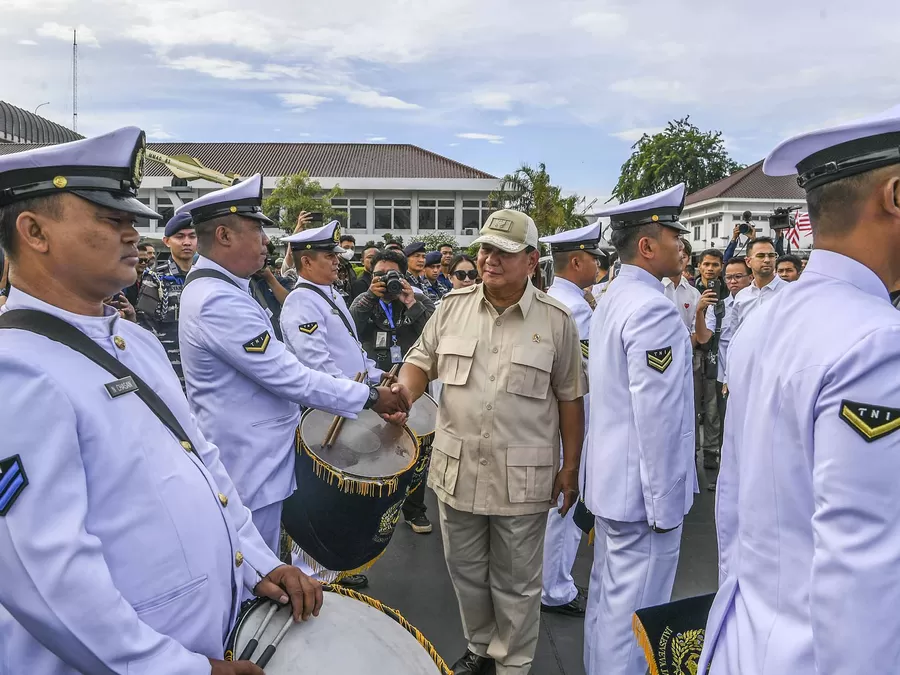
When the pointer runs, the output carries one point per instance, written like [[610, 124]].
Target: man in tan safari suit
[[510, 360]]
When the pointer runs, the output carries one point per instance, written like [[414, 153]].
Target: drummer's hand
[[286, 580], [397, 418], [391, 400], [566, 484], [235, 668]]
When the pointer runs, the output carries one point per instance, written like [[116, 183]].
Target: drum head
[[348, 636], [423, 416], [367, 446]]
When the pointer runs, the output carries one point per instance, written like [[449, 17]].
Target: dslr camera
[[745, 227], [393, 284]]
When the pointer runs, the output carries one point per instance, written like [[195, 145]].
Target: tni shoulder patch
[[585, 348], [12, 482], [870, 421], [659, 359], [309, 328], [259, 344]]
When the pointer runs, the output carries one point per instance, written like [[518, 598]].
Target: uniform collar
[[840, 267], [95, 327], [772, 285], [565, 283], [524, 303], [207, 264], [640, 274]]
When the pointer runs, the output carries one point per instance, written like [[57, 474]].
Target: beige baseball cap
[[508, 230]]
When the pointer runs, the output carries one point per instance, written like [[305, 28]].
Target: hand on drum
[[235, 668], [566, 484], [289, 583]]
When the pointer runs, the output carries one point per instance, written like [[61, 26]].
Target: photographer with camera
[[748, 232]]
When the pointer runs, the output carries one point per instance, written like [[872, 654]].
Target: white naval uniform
[[642, 474], [124, 553], [318, 337], [563, 536], [807, 506], [245, 389]]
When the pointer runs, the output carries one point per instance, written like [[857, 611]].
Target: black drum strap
[[330, 302], [208, 274], [65, 333]]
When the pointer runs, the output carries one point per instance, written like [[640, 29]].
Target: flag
[[801, 225]]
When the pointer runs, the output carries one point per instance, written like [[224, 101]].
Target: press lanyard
[[389, 313]]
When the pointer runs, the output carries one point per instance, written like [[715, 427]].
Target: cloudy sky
[[491, 83]]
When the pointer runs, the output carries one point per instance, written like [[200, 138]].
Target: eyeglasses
[[734, 277], [766, 256], [462, 275]]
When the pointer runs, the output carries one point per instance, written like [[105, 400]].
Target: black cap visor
[[118, 202]]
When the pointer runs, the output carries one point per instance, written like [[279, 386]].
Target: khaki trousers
[[495, 564]]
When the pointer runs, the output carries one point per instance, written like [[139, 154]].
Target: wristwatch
[[373, 397]]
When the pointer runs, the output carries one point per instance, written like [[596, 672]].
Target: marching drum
[[349, 495], [423, 421], [353, 634]]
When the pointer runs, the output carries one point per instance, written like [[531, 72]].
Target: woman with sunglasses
[[463, 272]]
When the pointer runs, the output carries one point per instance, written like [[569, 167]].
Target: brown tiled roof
[[20, 126], [321, 160], [749, 183]]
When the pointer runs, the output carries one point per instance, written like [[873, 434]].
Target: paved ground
[[412, 578]]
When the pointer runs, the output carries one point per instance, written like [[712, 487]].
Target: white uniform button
[[493, 378], [497, 322], [495, 350], [119, 342], [484, 462], [238, 559], [487, 435], [490, 407]]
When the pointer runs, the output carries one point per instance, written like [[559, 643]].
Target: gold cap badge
[[233, 209], [60, 182]]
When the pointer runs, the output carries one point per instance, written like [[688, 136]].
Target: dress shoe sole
[[562, 610], [421, 529]]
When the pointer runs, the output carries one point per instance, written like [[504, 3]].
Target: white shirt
[[641, 467], [751, 297], [246, 388], [319, 338], [685, 298], [807, 504], [120, 553], [726, 330]]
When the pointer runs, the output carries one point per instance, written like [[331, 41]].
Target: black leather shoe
[[472, 664], [575, 608], [354, 582]]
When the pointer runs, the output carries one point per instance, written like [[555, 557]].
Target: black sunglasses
[[462, 275]]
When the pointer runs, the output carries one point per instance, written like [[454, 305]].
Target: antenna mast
[[75, 80]]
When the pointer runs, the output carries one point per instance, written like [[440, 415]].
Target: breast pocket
[[529, 371], [445, 457], [455, 357], [174, 608], [530, 473]]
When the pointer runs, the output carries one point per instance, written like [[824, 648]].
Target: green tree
[[392, 238], [296, 193], [434, 240], [680, 153], [530, 190]]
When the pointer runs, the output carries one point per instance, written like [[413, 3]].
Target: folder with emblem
[[671, 635]]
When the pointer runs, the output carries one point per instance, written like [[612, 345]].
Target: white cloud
[[632, 135], [376, 139], [602, 24], [493, 100], [27, 43], [303, 101], [57, 31], [157, 133], [222, 69], [654, 89], [512, 122], [493, 138], [372, 99]]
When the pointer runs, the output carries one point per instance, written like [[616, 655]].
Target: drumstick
[[338, 420], [254, 642], [391, 376], [270, 650]]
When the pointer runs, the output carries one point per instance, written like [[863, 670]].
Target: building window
[[475, 213], [436, 214], [696, 233], [351, 212], [713, 230], [392, 214]]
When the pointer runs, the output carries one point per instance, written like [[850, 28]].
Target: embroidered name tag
[[659, 359], [124, 386], [870, 421], [259, 344], [309, 328], [12, 482]]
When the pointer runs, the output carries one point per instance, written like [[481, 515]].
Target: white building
[[712, 213]]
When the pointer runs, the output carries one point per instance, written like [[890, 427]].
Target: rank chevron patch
[[585, 348], [659, 359], [870, 421], [259, 344], [12, 481], [309, 328]]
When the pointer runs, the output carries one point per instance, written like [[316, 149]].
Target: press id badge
[[396, 356], [381, 340]]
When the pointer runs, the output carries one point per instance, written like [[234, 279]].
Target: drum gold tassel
[[351, 485], [643, 641], [396, 616]]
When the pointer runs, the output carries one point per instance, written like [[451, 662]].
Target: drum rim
[[430, 433]]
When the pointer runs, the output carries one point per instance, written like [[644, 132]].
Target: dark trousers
[[414, 505]]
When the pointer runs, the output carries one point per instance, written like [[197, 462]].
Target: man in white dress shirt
[[576, 255], [807, 504], [639, 469], [761, 257], [680, 291]]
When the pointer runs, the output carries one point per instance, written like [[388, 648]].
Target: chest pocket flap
[[455, 357], [529, 370]]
